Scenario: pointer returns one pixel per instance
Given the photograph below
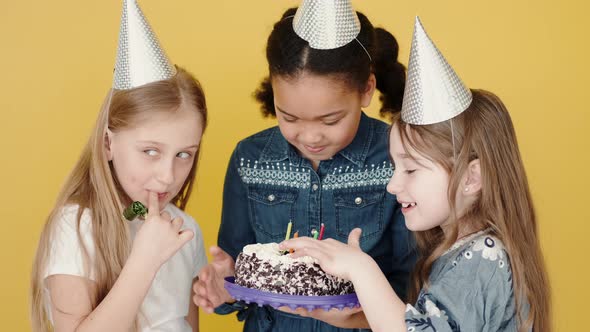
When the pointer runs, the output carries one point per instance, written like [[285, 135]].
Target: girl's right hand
[[159, 237], [336, 258], [209, 288]]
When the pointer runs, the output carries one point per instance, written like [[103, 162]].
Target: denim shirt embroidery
[[269, 184], [275, 174], [285, 174]]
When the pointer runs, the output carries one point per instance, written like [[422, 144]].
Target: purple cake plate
[[275, 300]]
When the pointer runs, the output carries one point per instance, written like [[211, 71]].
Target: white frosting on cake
[[270, 252]]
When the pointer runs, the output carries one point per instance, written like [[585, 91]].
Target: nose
[[311, 135], [165, 172], [394, 185]]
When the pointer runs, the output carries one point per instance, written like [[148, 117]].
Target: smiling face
[[318, 115], [421, 186], [157, 154]]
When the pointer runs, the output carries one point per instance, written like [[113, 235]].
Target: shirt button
[[271, 197], [358, 201], [314, 187]]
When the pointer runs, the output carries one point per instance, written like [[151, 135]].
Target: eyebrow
[[408, 156], [404, 156], [160, 144], [318, 117], [420, 161]]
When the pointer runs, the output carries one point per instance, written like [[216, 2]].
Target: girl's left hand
[[336, 258]]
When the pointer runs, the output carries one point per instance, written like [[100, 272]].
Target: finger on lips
[[153, 205]]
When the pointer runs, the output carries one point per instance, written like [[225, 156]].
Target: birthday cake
[[265, 267]]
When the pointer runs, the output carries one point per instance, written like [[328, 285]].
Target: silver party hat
[[140, 59], [434, 93], [326, 24]]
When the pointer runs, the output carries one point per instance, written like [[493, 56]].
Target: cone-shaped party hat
[[140, 59], [433, 93], [326, 24]]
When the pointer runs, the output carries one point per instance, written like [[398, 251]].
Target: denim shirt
[[269, 184]]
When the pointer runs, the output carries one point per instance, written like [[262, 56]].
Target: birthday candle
[[315, 234], [296, 235], [322, 228], [288, 235]]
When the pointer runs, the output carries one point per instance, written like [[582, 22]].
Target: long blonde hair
[[92, 185], [485, 132]]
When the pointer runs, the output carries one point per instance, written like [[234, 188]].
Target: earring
[[466, 189]]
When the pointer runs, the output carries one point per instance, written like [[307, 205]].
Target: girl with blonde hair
[[94, 270]]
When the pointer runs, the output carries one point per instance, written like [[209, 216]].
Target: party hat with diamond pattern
[[326, 24], [434, 93], [140, 59]]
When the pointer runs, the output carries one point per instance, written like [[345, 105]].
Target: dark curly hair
[[288, 55]]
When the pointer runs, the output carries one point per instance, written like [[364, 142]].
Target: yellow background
[[57, 57]]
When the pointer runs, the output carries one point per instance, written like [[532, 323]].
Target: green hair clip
[[134, 210]]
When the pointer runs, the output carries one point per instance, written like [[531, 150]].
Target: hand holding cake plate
[[209, 290]]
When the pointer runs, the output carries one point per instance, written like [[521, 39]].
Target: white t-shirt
[[167, 301]]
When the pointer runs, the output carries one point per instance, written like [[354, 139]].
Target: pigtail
[[390, 74], [265, 97]]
